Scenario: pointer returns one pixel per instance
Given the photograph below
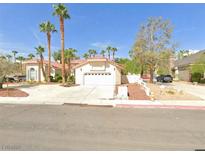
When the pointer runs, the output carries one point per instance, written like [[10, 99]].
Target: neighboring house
[[182, 67], [98, 71], [34, 71]]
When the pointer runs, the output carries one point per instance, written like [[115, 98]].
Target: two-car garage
[[98, 79], [98, 71]]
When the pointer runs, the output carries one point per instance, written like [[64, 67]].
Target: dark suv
[[164, 78]]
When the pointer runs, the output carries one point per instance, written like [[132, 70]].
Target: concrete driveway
[[57, 94]]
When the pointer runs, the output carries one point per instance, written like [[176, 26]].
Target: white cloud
[[193, 51], [104, 45]]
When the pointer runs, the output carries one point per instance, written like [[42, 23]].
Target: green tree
[[92, 53], [57, 56], [8, 56], [14, 54], [131, 66], [155, 38], [114, 50], [85, 55], [39, 51], [21, 59], [103, 53], [31, 56], [61, 11], [69, 55], [109, 48], [48, 28]]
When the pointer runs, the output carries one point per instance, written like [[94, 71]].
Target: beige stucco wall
[[36, 68]]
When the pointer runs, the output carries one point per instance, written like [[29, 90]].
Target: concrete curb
[[162, 106]]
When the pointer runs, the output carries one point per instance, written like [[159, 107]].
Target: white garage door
[[98, 79]]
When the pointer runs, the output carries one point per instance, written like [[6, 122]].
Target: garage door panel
[[98, 79]]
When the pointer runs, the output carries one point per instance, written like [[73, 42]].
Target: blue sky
[[94, 26]]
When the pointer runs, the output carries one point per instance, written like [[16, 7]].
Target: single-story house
[[34, 71], [98, 71], [182, 67]]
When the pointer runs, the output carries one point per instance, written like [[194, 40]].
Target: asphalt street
[[66, 127]]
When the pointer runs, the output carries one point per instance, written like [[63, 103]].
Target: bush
[[202, 81], [196, 77], [58, 78], [71, 79]]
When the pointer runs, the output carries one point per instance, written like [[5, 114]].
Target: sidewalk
[[172, 104]]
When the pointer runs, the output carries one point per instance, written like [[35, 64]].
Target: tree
[[8, 56], [14, 54], [69, 55], [62, 12], [21, 59], [92, 53], [155, 36], [103, 53], [57, 56], [39, 51], [85, 55], [198, 69], [109, 48], [113, 52], [7, 68], [131, 66], [48, 28], [31, 56]]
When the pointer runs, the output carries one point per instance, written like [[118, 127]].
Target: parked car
[[20, 78], [9, 79], [164, 78]]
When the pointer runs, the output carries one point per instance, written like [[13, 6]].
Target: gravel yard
[[168, 92]]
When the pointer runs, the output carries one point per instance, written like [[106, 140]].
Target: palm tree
[[85, 55], [14, 53], [57, 56], [31, 56], [61, 11], [39, 51], [48, 28], [21, 59], [113, 52], [109, 48], [70, 54], [8, 57], [90, 52], [94, 52], [103, 53]]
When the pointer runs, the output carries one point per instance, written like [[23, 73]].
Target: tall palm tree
[[103, 53], [48, 28], [14, 53], [8, 57], [31, 56], [69, 55], [61, 11], [39, 51], [114, 50], [85, 55], [109, 48], [21, 59]]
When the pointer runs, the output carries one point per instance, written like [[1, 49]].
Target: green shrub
[[196, 77], [202, 81], [71, 79], [58, 78]]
